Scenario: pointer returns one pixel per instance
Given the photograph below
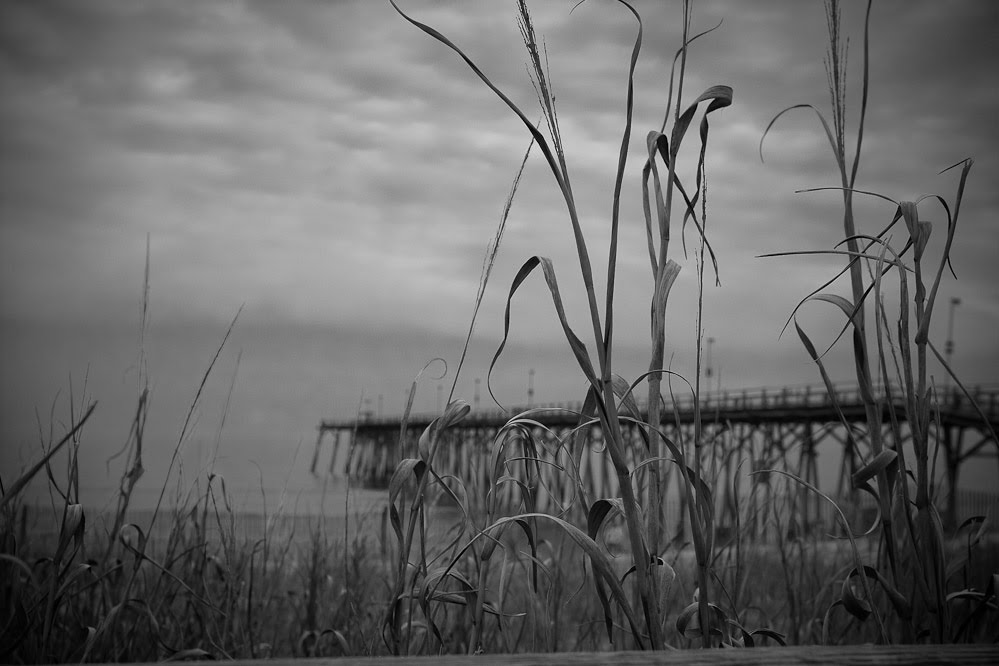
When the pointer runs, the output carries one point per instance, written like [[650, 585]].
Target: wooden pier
[[749, 430]]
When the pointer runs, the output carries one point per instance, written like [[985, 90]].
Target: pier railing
[[792, 401]]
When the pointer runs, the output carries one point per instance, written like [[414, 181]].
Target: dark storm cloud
[[340, 173]]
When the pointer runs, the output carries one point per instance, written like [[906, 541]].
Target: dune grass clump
[[907, 594], [186, 581], [455, 596], [197, 581], [641, 470]]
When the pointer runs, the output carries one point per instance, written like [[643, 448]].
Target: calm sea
[[291, 511]]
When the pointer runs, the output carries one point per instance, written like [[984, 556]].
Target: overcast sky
[[338, 173]]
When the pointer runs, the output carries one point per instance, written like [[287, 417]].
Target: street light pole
[[949, 346], [708, 371], [530, 388]]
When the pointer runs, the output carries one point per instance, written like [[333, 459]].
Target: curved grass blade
[[663, 287], [825, 126], [25, 479], [871, 469], [721, 97], [691, 211], [595, 517], [577, 346], [601, 565], [922, 334], [690, 612], [538, 136], [652, 141], [399, 478]]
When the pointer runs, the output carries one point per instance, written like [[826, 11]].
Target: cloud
[[340, 173]]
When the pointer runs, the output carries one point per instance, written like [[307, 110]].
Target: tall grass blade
[[924, 325], [822, 120], [618, 183], [487, 265]]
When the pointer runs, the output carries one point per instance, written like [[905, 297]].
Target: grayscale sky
[[338, 174]]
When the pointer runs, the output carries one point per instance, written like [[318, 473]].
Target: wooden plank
[[853, 655]]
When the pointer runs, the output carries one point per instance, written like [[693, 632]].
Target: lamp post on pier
[[708, 372], [530, 388], [949, 345]]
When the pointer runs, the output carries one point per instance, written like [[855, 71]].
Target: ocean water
[[331, 496], [289, 512]]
